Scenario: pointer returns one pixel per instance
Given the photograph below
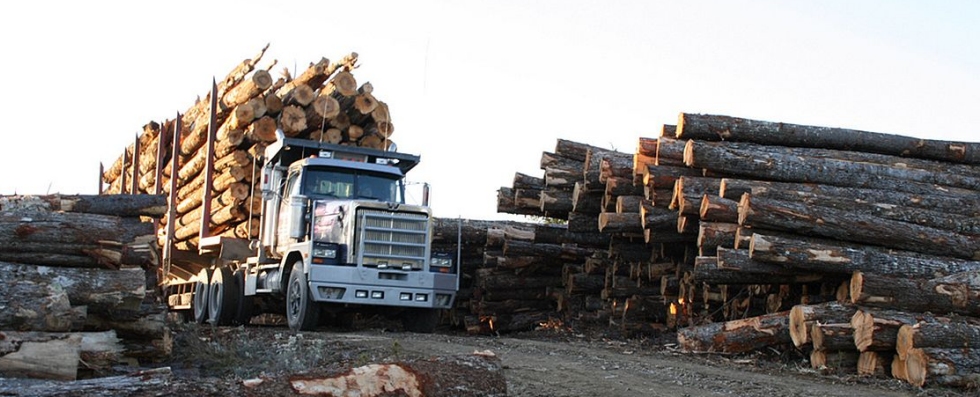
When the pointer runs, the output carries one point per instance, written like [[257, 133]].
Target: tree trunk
[[832, 337], [712, 235], [877, 329], [40, 355], [960, 204], [104, 291], [69, 228], [944, 367], [148, 382], [556, 203], [670, 151], [34, 305], [803, 317], [837, 257], [737, 336], [856, 227], [128, 205], [689, 191], [955, 293], [714, 127], [586, 201], [611, 222], [949, 333], [767, 162], [718, 209]]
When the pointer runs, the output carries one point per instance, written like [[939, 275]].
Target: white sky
[[480, 89]]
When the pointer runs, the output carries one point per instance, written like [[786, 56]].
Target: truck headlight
[[325, 251], [441, 262]]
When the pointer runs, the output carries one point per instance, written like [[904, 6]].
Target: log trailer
[[336, 237]]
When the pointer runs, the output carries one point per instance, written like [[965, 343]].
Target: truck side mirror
[[425, 194]]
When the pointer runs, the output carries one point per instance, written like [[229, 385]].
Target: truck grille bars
[[387, 239]]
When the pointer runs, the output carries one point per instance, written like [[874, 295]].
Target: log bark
[[69, 228], [877, 329], [670, 151], [611, 222], [718, 209], [955, 293], [968, 204], [564, 252], [767, 162], [925, 217], [147, 382], [34, 305], [803, 317], [944, 367], [586, 201], [104, 291], [848, 226], [832, 337], [128, 205], [689, 191], [712, 235], [837, 257], [664, 176], [714, 127], [949, 333], [556, 203], [737, 336]]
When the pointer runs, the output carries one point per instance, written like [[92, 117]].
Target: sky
[[479, 89]]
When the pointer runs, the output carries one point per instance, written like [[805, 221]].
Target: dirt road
[[540, 363], [535, 367]]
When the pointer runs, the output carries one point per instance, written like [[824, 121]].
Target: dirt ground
[[545, 362]]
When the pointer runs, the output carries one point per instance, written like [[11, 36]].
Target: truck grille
[[392, 239]]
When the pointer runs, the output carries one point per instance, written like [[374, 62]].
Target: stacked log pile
[[774, 234], [77, 297], [890, 218], [324, 102]]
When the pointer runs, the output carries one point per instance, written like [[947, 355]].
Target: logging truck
[[336, 237]]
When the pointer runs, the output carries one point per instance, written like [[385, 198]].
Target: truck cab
[[336, 235]]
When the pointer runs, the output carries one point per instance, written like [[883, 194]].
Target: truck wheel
[[245, 303], [423, 321], [302, 312], [222, 297], [199, 305]]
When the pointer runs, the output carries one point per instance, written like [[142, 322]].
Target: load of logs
[[78, 299], [860, 248], [324, 102]]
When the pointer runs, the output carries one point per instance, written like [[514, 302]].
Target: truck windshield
[[349, 184]]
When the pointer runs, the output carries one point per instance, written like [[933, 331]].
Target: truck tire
[[199, 305], [302, 312], [222, 297], [423, 321], [243, 314]]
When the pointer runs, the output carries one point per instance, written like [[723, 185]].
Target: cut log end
[[798, 331], [857, 281], [916, 367]]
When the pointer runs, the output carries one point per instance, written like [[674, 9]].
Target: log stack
[[747, 222], [324, 102], [78, 299], [891, 219]]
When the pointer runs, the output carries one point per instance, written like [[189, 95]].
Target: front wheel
[[302, 312], [423, 321]]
